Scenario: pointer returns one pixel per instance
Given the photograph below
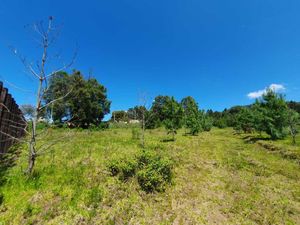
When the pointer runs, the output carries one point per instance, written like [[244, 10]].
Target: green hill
[[218, 178]]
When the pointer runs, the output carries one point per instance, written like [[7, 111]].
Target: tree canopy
[[85, 104]]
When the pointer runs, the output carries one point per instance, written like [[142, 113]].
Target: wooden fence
[[12, 122]]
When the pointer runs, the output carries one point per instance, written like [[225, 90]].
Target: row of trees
[[166, 111], [270, 114], [135, 113], [229, 117]]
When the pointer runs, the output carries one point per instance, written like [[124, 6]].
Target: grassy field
[[218, 178]]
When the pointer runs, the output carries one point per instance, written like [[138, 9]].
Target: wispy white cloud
[[259, 93]]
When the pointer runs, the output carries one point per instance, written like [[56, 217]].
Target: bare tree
[[46, 35], [143, 99]]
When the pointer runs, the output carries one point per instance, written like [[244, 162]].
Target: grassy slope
[[219, 179]]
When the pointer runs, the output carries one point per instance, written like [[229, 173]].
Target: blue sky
[[217, 51]]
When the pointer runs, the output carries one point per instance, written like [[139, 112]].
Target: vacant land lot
[[218, 178]]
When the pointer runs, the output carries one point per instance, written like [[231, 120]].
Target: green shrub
[[207, 123], [125, 168], [128, 169], [155, 171], [145, 158], [94, 197], [99, 127], [150, 180], [114, 167]]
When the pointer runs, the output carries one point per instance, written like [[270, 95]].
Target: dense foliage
[[191, 116], [152, 170], [84, 101], [269, 114]]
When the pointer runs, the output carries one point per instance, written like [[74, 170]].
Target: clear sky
[[220, 52]]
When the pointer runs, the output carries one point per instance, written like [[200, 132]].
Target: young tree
[[45, 38], [273, 114], [206, 121], [245, 120], [157, 109], [293, 124], [172, 114], [142, 112], [191, 115]]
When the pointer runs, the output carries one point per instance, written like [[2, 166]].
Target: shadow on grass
[[168, 140], [190, 135], [7, 160], [251, 139]]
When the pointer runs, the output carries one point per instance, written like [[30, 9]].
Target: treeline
[[270, 114], [166, 111], [85, 104], [229, 117]]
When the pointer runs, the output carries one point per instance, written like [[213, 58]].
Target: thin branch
[[64, 67], [55, 100]]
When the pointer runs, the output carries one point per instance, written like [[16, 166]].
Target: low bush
[[153, 171], [128, 169], [114, 167], [94, 197], [125, 168]]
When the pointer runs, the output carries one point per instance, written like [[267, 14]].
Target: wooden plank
[[11, 120]]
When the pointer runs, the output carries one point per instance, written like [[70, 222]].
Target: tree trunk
[[143, 131], [32, 151], [31, 161]]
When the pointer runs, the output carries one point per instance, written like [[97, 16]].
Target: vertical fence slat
[[11, 120]]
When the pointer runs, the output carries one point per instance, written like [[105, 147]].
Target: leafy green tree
[[206, 121], [157, 109], [191, 115], [59, 85], [86, 104], [273, 114], [136, 113], [172, 114], [119, 116], [151, 120], [245, 120], [293, 124]]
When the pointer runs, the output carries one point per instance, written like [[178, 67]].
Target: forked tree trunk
[[32, 151]]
